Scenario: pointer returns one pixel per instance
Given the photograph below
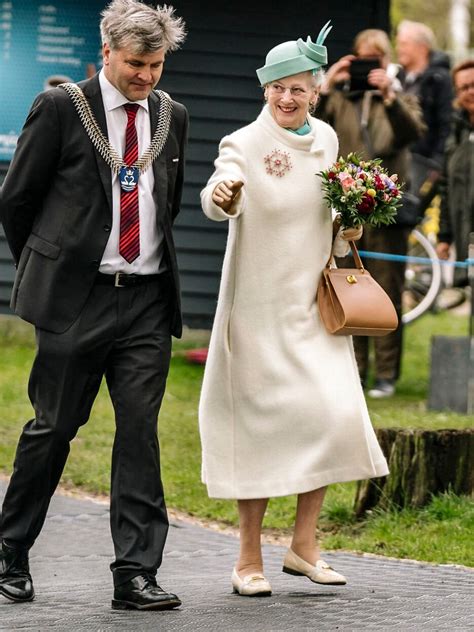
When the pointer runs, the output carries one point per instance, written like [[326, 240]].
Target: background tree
[[435, 14]]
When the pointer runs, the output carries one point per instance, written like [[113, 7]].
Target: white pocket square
[[175, 159]]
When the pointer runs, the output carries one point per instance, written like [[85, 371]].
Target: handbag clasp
[[350, 278]]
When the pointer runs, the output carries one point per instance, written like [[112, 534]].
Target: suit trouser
[[391, 276], [124, 334]]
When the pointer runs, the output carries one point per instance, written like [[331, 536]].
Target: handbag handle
[[355, 254]]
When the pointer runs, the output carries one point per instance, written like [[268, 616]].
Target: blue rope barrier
[[409, 259]]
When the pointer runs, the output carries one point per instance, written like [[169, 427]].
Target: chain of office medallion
[[102, 143]]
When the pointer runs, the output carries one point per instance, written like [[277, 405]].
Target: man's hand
[[224, 194], [442, 250]]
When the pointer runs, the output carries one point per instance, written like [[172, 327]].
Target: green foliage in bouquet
[[361, 191]]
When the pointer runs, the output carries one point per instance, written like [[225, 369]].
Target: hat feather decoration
[[315, 50]]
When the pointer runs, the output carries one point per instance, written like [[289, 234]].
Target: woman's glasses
[[278, 88]]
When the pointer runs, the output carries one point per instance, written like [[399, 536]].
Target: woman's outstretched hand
[[224, 194], [352, 234]]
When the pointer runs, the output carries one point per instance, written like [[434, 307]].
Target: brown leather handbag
[[352, 303]]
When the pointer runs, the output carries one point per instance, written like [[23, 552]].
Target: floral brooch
[[278, 163]]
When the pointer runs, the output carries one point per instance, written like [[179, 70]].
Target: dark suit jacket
[[56, 206]]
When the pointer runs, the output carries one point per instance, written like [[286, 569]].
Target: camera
[[359, 71]]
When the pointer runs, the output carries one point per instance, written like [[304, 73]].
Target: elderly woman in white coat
[[282, 410]]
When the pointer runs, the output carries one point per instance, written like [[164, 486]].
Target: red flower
[[379, 183], [331, 175], [366, 205]]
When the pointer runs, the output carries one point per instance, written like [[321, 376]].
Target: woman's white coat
[[282, 410]]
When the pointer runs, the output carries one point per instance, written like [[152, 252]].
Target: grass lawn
[[441, 532]]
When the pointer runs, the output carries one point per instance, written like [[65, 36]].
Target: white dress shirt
[[151, 239]]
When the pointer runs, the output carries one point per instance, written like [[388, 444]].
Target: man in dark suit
[[88, 218]]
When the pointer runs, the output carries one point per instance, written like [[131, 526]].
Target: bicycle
[[423, 276]]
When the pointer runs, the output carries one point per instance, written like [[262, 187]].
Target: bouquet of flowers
[[361, 191]]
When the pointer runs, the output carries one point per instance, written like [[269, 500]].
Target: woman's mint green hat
[[291, 58]]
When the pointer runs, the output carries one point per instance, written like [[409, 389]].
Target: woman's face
[[289, 99], [369, 50]]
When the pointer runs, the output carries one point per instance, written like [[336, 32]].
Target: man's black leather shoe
[[15, 579], [143, 593]]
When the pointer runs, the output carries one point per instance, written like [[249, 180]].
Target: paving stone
[[73, 585]]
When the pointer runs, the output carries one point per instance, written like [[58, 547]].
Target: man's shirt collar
[[112, 97]]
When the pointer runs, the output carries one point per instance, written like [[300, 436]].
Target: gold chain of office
[[102, 143]]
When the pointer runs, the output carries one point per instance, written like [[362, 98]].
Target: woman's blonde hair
[[373, 37]]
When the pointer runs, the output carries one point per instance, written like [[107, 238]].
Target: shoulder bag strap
[[355, 254]]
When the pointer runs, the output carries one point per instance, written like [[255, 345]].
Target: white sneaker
[[382, 388]]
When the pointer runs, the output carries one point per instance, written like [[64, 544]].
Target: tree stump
[[421, 463]]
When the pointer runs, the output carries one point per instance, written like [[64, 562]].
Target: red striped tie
[[129, 244]]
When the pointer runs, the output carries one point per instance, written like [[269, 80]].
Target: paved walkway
[[70, 562]]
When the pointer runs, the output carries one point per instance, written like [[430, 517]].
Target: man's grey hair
[[419, 32], [130, 23]]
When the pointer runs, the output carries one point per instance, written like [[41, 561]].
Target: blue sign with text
[[42, 44]]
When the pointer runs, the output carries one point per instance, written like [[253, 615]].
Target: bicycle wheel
[[422, 277]]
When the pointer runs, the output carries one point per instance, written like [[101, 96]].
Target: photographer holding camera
[[363, 102]]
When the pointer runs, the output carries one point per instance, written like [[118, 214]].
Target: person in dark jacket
[[425, 74], [456, 184], [375, 121], [87, 206]]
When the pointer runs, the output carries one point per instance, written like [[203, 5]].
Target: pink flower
[[346, 180]]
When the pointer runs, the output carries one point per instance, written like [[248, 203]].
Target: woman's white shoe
[[254, 585], [320, 573]]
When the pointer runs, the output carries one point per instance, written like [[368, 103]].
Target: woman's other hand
[[352, 234], [379, 79], [337, 73], [224, 194]]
